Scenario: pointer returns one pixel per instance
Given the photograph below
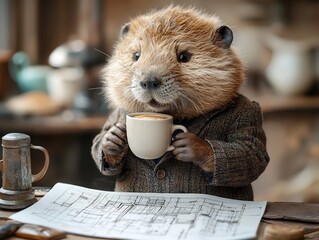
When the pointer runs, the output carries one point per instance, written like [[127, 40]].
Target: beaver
[[180, 61]]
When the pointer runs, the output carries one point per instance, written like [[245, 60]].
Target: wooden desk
[[303, 214]]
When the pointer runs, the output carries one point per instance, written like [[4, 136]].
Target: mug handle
[[174, 128], [39, 175]]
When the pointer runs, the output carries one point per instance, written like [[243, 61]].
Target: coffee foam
[[150, 117]]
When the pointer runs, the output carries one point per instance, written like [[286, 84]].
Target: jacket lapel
[[198, 124]]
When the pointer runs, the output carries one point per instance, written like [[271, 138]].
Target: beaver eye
[[184, 57], [136, 56]]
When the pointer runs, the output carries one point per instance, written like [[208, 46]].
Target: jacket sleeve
[[96, 150], [243, 156]]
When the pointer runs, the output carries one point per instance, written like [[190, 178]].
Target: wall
[[4, 24]]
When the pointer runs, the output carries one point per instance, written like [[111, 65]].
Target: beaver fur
[[207, 80]]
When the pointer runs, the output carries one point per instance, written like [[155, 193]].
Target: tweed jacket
[[238, 141]]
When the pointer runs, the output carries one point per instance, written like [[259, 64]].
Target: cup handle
[[174, 128], [39, 175]]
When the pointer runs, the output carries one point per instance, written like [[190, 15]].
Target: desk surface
[[291, 214]]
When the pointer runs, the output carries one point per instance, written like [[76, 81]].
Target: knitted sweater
[[239, 144]]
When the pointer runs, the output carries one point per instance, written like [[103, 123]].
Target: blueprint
[[141, 216]]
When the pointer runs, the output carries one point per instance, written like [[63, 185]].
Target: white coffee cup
[[149, 134]]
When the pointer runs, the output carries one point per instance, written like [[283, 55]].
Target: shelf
[[52, 124], [276, 103], [73, 123], [271, 102]]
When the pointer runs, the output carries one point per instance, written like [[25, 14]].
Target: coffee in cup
[[149, 134], [151, 116]]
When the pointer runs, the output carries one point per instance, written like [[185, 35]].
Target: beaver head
[[177, 61]]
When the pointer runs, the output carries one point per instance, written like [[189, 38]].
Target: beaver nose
[[151, 83]]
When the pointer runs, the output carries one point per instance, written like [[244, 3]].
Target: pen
[[9, 228]]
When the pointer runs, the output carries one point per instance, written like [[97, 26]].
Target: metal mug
[[17, 178]]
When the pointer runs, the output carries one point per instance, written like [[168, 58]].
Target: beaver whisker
[[107, 55], [115, 60], [98, 88], [95, 88]]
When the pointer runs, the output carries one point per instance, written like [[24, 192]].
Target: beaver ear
[[125, 29], [224, 36]]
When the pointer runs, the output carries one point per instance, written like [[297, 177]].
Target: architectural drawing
[[144, 215]]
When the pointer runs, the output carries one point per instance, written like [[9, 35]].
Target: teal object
[[28, 78]]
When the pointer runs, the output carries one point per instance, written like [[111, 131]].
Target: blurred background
[[52, 52]]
